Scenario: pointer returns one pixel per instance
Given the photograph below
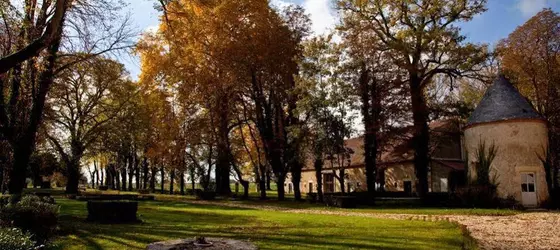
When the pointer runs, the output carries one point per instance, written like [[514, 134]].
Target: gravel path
[[523, 231]]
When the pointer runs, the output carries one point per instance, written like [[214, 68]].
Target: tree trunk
[[280, 187], [130, 175], [24, 146], [262, 189], [342, 181], [182, 180], [223, 157], [92, 176], [318, 164], [296, 180], [73, 176], [153, 179], [97, 177], [245, 185], [21, 155], [145, 166], [137, 172], [193, 186], [421, 136], [162, 179], [117, 179], [108, 182], [268, 180], [262, 183], [371, 111], [171, 180], [124, 176]]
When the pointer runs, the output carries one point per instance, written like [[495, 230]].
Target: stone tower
[[506, 119]]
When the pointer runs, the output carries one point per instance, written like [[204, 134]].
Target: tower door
[[528, 189]]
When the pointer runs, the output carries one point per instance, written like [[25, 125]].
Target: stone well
[[217, 244]]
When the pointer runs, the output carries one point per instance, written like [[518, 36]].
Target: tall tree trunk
[[153, 179], [22, 154], [371, 111], [262, 183], [268, 180], [162, 179], [245, 185], [117, 179], [92, 176], [73, 168], [296, 179], [124, 176], [421, 136], [102, 177], [137, 172], [97, 177], [24, 146], [108, 182], [146, 171], [182, 180], [171, 181], [73, 175], [281, 179], [342, 181], [223, 157], [193, 186], [318, 164], [130, 173]]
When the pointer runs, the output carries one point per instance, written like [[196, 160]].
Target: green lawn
[[388, 209], [290, 204], [164, 220]]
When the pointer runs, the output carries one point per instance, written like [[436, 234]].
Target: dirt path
[[523, 231]]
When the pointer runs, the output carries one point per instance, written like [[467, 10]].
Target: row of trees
[[238, 89], [244, 66]]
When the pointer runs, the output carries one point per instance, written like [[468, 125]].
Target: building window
[[310, 187], [328, 183]]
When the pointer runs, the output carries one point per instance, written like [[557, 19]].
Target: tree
[[83, 102], [530, 56], [26, 85], [422, 40], [207, 52]]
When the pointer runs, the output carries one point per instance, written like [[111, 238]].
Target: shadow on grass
[[269, 230]]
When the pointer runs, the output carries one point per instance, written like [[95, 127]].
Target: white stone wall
[[520, 144]]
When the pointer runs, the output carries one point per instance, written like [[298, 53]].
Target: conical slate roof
[[502, 102]]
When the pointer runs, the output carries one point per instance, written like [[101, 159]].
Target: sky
[[502, 17]]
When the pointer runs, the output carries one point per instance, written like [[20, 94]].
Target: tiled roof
[[398, 149], [502, 102]]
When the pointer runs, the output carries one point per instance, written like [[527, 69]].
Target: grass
[[163, 220], [290, 204]]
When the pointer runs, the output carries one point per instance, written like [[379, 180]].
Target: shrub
[[38, 216], [553, 201], [340, 201], [15, 239], [112, 211], [103, 188], [311, 197], [477, 196]]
